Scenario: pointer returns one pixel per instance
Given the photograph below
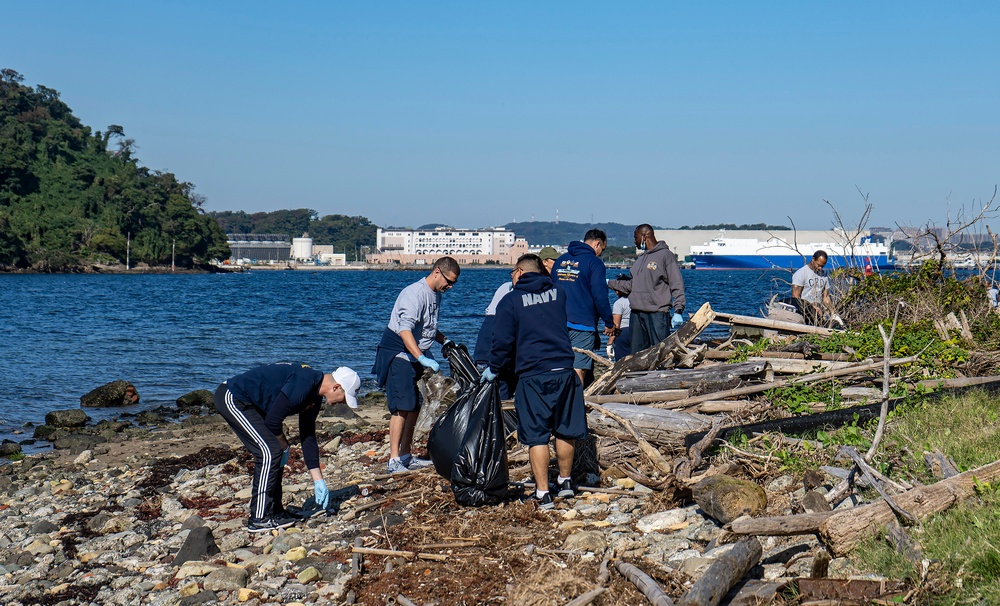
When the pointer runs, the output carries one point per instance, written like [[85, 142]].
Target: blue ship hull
[[878, 262]]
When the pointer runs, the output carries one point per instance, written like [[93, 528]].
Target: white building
[[467, 246]]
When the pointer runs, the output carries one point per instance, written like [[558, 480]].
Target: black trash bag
[[467, 447], [463, 368]]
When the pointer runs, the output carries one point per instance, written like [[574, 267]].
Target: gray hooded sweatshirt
[[656, 284]]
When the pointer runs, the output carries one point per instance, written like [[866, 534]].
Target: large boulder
[[196, 399], [199, 543], [115, 393], [73, 417], [725, 498], [77, 443]]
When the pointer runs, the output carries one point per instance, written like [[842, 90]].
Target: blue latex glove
[[488, 375], [676, 321], [283, 460], [429, 363], [322, 493]]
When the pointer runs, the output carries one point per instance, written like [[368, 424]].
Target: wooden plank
[[664, 395], [799, 424], [713, 406], [774, 324], [793, 366], [742, 391]]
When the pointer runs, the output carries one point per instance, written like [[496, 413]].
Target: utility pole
[[128, 249]]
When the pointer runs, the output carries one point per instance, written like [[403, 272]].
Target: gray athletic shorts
[[583, 339]]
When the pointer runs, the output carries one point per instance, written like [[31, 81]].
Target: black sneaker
[[281, 520], [565, 490], [544, 501]]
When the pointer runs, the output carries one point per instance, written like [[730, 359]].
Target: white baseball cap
[[350, 382]]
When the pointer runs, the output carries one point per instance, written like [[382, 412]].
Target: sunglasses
[[449, 280]]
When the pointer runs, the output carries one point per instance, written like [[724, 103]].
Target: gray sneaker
[[418, 463], [544, 501], [274, 522], [565, 490], [397, 466]]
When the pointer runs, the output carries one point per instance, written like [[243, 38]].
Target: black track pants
[[249, 426]]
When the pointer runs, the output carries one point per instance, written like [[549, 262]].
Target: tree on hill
[[68, 200], [346, 234]]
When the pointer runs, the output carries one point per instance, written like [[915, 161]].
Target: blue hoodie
[[581, 274], [530, 326]]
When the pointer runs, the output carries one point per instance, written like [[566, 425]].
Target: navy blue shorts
[[401, 391], [549, 404]]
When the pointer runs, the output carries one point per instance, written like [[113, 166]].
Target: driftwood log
[[660, 427], [845, 529], [663, 352], [960, 382], [821, 376], [723, 573], [780, 526], [941, 465], [645, 583], [702, 378]]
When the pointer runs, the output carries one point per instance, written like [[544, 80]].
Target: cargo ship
[[777, 253]]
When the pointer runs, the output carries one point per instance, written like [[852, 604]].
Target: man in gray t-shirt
[[811, 286]]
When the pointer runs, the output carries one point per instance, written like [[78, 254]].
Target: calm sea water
[[63, 335]]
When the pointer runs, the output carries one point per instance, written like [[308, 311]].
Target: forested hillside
[[346, 234], [71, 197]]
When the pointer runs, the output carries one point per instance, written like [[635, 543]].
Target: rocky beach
[[126, 513]]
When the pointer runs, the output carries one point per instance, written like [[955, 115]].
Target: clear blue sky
[[476, 113]]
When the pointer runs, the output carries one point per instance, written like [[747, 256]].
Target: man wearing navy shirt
[[530, 329], [582, 277], [256, 403]]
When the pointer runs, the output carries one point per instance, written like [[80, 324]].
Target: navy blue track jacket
[[530, 327], [583, 276], [280, 391]]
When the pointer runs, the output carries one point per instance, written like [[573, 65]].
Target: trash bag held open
[[467, 446]]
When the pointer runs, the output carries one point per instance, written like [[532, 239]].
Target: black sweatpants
[[249, 426]]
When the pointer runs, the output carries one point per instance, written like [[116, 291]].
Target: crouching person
[[256, 403], [530, 327]]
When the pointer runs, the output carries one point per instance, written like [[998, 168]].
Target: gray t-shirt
[[813, 284], [416, 310], [622, 308]]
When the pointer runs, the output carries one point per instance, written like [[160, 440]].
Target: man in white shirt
[[811, 288]]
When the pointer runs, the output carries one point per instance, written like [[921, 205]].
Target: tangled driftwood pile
[[673, 401]]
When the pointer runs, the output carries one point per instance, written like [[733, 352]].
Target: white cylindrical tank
[[302, 248]]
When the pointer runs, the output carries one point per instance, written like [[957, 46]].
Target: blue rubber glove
[[676, 321], [488, 375], [283, 460], [322, 493], [429, 363]]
